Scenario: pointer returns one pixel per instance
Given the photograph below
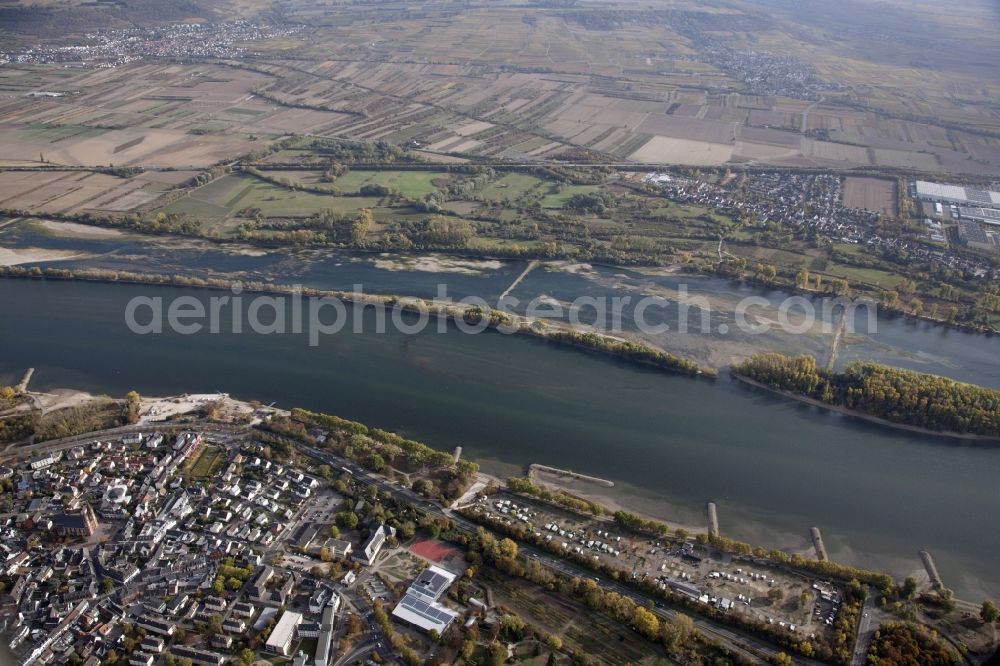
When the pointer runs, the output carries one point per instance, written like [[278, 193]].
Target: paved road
[[866, 629], [218, 430], [805, 114]]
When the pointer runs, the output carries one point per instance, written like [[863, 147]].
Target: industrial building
[[954, 194], [975, 236], [982, 215]]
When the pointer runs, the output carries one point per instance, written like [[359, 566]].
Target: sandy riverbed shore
[[614, 498], [157, 409], [33, 255], [75, 230], [154, 410]]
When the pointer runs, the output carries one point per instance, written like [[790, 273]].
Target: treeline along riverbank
[[929, 403]]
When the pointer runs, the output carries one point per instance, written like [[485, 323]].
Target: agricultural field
[[228, 196], [154, 121], [27, 145], [520, 111], [512, 186], [563, 194], [609, 83], [413, 184], [71, 192], [874, 194], [616, 146], [865, 276], [513, 212]]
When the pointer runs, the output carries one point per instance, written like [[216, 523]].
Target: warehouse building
[[954, 194], [982, 215]]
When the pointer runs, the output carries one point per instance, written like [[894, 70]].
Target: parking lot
[[322, 508], [801, 605]]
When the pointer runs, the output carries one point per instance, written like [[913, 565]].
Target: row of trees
[[634, 523], [326, 226], [590, 202], [632, 351], [162, 223], [345, 150], [91, 416], [330, 175], [902, 396], [440, 230], [9, 397], [381, 451], [564, 499], [16, 428]]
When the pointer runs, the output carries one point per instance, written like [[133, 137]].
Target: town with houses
[[112, 547], [954, 220], [765, 73], [114, 48]]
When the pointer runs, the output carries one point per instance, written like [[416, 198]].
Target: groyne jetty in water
[[535, 467]]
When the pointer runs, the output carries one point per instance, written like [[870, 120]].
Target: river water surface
[[897, 341], [775, 467]]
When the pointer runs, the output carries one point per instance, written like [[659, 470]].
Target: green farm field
[[231, 194], [512, 186], [414, 184], [565, 192]]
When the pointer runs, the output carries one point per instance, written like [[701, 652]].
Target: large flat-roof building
[[974, 235], [984, 215], [419, 607], [955, 194], [156, 625], [338, 548], [280, 640], [431, 583], [197, 656]]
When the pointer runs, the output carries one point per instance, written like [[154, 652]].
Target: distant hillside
[[66, 19]]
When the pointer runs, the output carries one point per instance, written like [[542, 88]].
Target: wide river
[[774, 467]]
